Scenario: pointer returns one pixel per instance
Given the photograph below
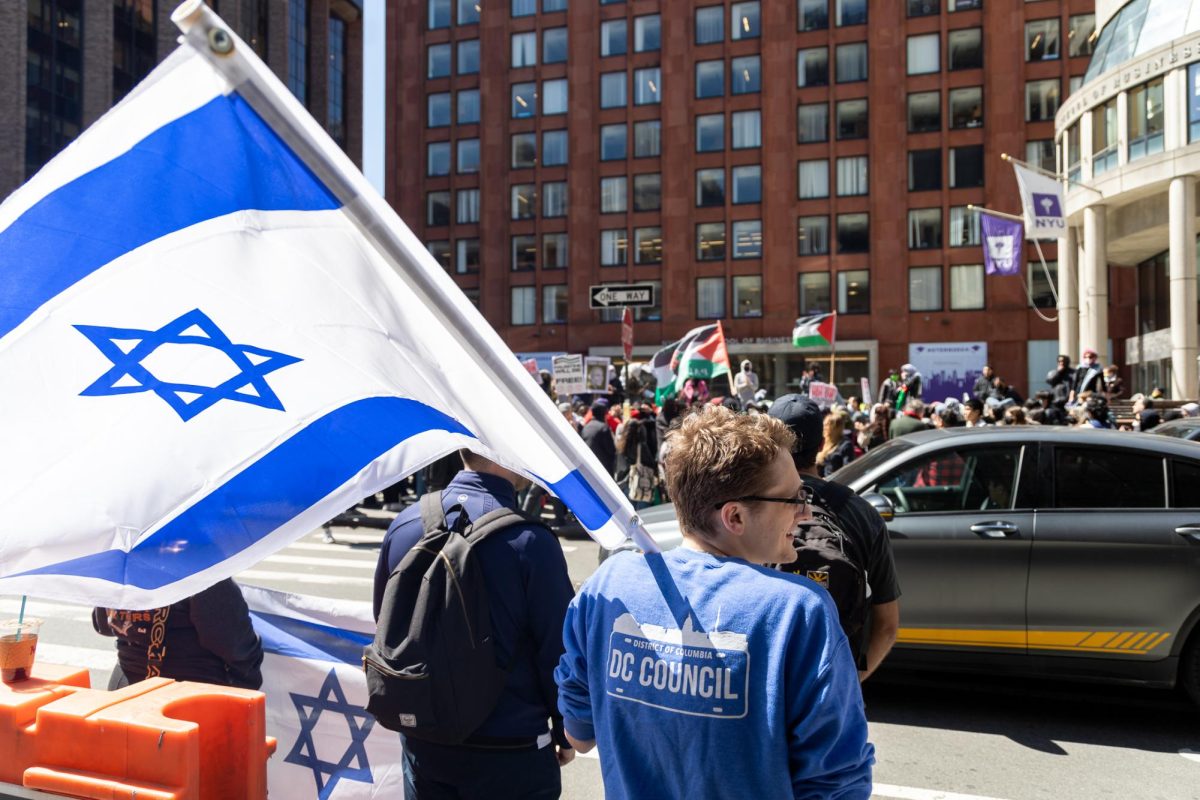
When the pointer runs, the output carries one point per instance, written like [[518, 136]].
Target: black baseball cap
[[801, 413]]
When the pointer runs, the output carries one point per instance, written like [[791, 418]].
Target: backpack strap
[[495, 520], [434, 518]]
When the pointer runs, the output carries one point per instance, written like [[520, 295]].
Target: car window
[[1185, 484], [1089, 477], [954, 479], [874, 457]]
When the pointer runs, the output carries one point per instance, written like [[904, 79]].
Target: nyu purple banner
[[1003, 245]]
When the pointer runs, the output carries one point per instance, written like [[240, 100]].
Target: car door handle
[[995, 530], [1191, 532]]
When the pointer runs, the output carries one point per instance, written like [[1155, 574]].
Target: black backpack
[[829, 557], [432, 671]]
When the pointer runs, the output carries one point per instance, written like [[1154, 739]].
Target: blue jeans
[[440, 772]]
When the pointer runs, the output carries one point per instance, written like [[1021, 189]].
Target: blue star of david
[[304, 753], [129, 376]]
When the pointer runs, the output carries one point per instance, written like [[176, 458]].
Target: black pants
[[437, 772]]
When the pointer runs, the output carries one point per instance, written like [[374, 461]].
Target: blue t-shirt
[[706, 677]]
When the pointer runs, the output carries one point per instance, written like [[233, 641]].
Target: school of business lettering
[[682, 678]]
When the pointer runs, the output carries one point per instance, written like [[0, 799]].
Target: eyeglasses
[[802, 499]]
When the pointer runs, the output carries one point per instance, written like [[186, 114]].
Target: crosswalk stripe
[[353, 538], [913, 793], [333, 563], [73, 656], [300, 577], [338, 549]]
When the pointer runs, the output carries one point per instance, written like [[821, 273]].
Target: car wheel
[[1189, 668]]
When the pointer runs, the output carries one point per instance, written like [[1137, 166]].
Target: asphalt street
[[936, 737]]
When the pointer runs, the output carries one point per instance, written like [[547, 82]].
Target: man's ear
[[733, 519]]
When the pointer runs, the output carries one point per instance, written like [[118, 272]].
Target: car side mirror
[[887, 511]]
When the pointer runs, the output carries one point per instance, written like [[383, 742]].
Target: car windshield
[[1175, 431], [859, 467]]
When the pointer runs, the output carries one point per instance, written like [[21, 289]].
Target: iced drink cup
[[18, 642]]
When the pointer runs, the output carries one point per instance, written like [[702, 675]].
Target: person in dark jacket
[[837, 448], [889, 390], [1088, 377], [983, 384], [1060, 379], [598, 436], [206, 637]]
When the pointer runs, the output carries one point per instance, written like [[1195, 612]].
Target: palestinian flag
[[819, 330], [701, 353]]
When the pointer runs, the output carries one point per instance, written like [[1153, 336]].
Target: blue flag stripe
[[266, 494], [581, 498], [216, 160], [301, 639]]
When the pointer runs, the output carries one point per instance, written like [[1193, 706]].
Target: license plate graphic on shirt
[[686, 672]]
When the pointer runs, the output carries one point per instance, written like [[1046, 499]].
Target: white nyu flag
[[1042, 198], [208, 349], [328, 745]]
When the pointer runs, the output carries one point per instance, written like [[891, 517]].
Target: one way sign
[[632, 294]]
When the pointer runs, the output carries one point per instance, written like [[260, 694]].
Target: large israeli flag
[[214, 336]]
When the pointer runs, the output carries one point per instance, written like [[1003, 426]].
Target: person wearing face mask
[[1088, 376], [745, 383]]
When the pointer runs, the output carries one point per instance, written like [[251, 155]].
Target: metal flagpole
[[1038, 246], [1048, 173], [728, 361], [378, 222], [833, 354]]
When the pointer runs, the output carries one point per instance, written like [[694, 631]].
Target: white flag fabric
[[1042, 199], [206, 352], [329, 747]]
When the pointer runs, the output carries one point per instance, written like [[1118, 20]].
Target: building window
[[614, 245], [966, 166], [710, 24], [815, 295], [554, 148], [298, 45], [554, 199], [1146, 119], [651, 313], [468, 106], [924, 170], [440, 250], [554, 251], [964, 227], [852, 176], [1193, 92], [710, 132], [964, 5], [1104, 137], [550, 5], [554, 45], [524, 150], [747, 184], [710, 241], [468, 156], [925, 229], [924, 54], [647, 192], [850, 12], [852, 119], [647, 138], [966, 107], [612, 90], [554, 304], [1081, 35], [1041, 40], [812, 236], [524, 201], [467, 211], [925, 289], [1039, 284], [437, 158], [524, 50], [813, 180], [647, 33], [613, 37], [647, 244], [437, 209], [747, 238], [438, 61], [812, 122], [613, 194], [710, 298], [254, 29], [966, 287], [747, 296], [1074, 152], [710, 78], [524, 305], [924, 112], [1040, 153], [744, 21], [1041, 100], [812, 15], [745, 77], [554, 96], [964, 49], [524, 100], [468, 12], [647, 86], [923, 8], [853, 233], [710, 187], [439, 110], [746, 127], [524, 253], [812, 67], [524, 8], [466, 256], [613, 142], [854, 292], [852, 62], [468, 57], [439, 15]]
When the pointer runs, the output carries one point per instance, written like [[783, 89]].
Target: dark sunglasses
[[802, 499]]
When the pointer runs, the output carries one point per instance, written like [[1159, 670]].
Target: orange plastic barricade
[[153, 740]]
